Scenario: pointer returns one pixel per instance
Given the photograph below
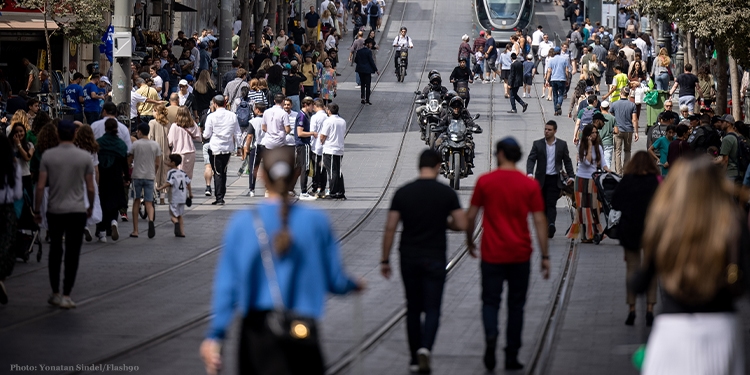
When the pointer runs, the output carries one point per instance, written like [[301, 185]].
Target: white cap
[[105, 79], [183, 82], [605, 104]]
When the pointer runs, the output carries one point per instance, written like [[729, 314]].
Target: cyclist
[[402, 41]]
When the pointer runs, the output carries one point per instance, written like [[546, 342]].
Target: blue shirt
[[490, 43], [310, 268], [303, 120], [72, 93], [90, 104], [505, 60], [559, 65]]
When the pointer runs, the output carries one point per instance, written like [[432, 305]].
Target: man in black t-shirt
[[427, 208], [311, 25], [688, 84]]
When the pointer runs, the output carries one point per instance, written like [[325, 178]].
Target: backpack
[[374, 9], [743, 154], [244, 113], [606, 40], [588, 115], [704, 137]]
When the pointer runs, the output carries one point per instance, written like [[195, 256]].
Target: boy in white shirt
[[252, 148], [478, 67], [179, 182]]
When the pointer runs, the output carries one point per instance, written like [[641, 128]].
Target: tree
[[81, 21], [721, 21]]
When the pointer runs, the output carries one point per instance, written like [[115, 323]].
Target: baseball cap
[[66, 126], [557, 50], [189, 78], [589, 89], [183, 82], [294, 63], [605, 104], [481, 33], [694, 117], [105, 79], [727, 118]]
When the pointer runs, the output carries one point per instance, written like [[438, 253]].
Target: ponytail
[[279, 167], [283, 240]]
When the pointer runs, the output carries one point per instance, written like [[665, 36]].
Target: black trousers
[[71, 226], [220, 165], [550, 193], [320, 179], [493, 278], [303, 157], [260, 352], [515, 98], [105, 226], [365, 87], [424, 280], [332, 165]]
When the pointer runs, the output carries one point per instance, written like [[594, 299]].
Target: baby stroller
[[28, 233], [606, 183]]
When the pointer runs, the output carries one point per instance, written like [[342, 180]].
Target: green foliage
[[82, 21]]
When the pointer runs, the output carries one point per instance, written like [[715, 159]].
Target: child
[[178, 181], [478, 67]]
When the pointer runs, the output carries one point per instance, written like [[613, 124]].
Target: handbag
[[285, 325], [651, 98]]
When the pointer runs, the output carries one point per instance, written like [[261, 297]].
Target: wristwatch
[[385, 261]]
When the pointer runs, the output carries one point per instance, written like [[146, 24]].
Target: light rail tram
[[503, 17]]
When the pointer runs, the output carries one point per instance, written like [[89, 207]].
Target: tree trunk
[[46, 37], [691, 51], [260, 15], [273, 7], [700, 54], [734, 76], [245, 14], [722, 83]]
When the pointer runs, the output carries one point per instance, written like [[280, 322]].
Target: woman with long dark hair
[[276, 82], [10, 191], [590, 159], [290, 249], [24, 151], [84, 139], [632, 198], [203, 91]]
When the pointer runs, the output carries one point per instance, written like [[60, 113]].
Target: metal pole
[[747, 104], [663, 38], [225, 38], [679, 57], [121, 82]]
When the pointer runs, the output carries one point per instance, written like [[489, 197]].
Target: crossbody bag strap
[[267, 257]]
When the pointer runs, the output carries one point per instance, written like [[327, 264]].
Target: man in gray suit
[[549, 155]]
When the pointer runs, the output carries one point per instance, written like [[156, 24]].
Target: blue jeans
[[143, 189], [662, 82], [295, 102], [493, 277], [424, 279], [689, 101], [356, 76], [558, 93]]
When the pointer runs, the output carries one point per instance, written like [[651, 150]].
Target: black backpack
[[743, 154], [606, 41], [374, 9], [244, 113], [704, 137]]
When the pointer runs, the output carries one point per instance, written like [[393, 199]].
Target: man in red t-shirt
[[507, 197]]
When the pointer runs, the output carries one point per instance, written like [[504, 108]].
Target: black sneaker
[[525, 106], [151, 229], [513, 364], [208, 191], [489, 355]]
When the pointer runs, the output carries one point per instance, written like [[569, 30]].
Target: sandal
[[133, 235]]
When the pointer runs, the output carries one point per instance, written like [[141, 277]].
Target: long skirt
[[693, 344], [586, 222], [188, 164], [8, 226]]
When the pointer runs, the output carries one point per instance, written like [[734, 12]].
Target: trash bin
[[653, 111]]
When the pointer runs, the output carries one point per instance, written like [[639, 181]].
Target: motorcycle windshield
[[433, 101], [457, 130], [504, 9]]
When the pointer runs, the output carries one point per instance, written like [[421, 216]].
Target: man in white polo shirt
[[276, 124], [332, 138], [224, 131]]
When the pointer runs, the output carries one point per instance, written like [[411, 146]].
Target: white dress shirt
[[275, 120], [536, 37], [544, 48], [551, 148], [122, 131], [135, 99], [223, 129], [316, 125]]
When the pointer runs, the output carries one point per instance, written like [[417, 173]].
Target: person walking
[[253, 149], [558, 73], [109, 111], [626, 129], [365, 67], [332, 136], [223, 129], [84, 139], [159, 132], [11, 190], [67, 170], [298, 258], [232, 91], [551, 158], [590, 158], [181, 137], [74, 96], [427, 209], [146, 156], [181, 194], [507, 197], [93, 94], [632, 198], [515, 81], [114, 174], [689, 86], [698, 330], [490, 56]]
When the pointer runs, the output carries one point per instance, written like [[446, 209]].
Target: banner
[[106, 46]]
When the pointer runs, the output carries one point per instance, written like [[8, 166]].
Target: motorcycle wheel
[[456, 164], [402, 73], [428, 137], [432, 140]]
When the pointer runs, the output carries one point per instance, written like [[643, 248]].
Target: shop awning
[[26, 24], [178, 7]]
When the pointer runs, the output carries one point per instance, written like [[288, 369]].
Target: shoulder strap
[[267, 257]]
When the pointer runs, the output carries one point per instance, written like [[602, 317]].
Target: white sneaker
[[414, 368], [115, 231], [357, 86], [328, 192], [54, 299], [306, 197], [542, 96], [423, 357], [252, 193], [67, 303], [266, 194], [103, 239]]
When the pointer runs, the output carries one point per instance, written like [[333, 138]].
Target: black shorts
[[528, 80], [504, 74]]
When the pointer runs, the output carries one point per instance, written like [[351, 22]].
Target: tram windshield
[[504, 9]]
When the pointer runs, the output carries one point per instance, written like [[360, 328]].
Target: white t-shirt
[[537, 37], [257, 124], [334, 128], [316, 125], [158, 84], [290, 141], [135, 98], [179, 181]]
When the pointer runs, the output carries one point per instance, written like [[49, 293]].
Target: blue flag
[[106, 46]]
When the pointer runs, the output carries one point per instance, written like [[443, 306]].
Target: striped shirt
[[257, 97]]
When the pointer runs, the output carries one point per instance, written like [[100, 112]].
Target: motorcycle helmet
[[433, 71], [456, 102], [436, 80], [450, 95]]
